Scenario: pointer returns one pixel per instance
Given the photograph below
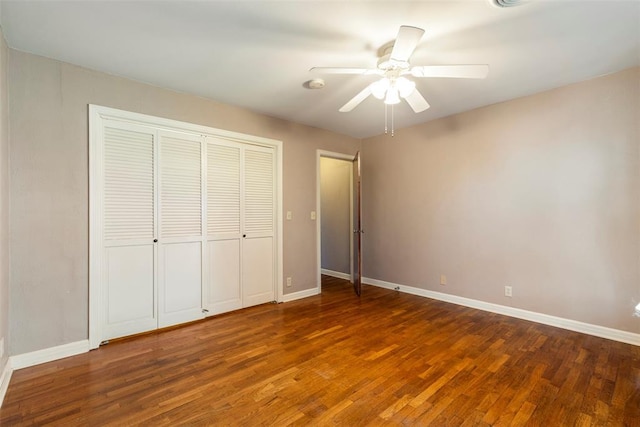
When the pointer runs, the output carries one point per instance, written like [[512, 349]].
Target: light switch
[[288, 215], [313, 215]]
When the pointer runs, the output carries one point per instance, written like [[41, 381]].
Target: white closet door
[[128, 203], [181, 233], [259, 226], [223, 226]]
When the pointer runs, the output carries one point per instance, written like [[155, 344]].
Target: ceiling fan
[[394, 65]]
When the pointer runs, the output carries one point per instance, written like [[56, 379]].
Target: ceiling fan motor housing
[[386, 63]]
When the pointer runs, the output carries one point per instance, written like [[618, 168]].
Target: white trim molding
[[337, 274], [5, 377], [37, 357], [50, 354], [300, 294], [319, 269], [545, 319]]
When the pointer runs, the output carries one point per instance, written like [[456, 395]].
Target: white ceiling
[[257, 54]]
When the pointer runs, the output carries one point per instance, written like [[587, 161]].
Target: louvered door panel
[[128, 184], [223, 225], [223, 189], [180, 251], [180, 186], [258, 191], [258, 245], [129, 229]]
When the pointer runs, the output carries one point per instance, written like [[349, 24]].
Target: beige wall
[[540, 193], [4, 203], [335, 184], [49, 186]]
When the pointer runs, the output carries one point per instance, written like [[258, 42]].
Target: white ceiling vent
[[507, 3]]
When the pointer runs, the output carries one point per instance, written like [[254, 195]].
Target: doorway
[[335, 219]]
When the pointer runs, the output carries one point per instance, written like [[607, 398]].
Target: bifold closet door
[[181, 232], [258, 226], [129, 228], [223, 226], [182, 222], [240, 225]]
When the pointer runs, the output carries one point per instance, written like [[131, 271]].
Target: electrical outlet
[[313, 215], [289, 215], [443, 279], [288, 282], [508, 292]]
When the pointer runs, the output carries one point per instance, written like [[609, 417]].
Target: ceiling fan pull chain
[[392, 124], [385, 119]]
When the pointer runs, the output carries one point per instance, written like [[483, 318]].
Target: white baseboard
[[5, 377], [300, 294], [49, 354], [337, 274], [572, 325]]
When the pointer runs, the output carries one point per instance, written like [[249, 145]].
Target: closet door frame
[[98, 116]]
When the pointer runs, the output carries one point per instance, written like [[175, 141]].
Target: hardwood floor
[[384, 359]]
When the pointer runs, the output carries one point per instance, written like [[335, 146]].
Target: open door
[[357, 230]]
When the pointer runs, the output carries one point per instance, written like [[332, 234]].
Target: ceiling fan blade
[[455, 71], [406, 42], [416, 101], [344, 70], [353, 103]]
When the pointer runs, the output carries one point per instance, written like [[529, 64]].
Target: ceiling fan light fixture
[[379, 88], [392, 97], [404, 86]]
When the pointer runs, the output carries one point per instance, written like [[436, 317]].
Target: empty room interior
[[320, 212]]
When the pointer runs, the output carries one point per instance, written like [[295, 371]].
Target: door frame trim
[[97, 116], [338, 156]]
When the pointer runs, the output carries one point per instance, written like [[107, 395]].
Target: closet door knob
[[155, 240]]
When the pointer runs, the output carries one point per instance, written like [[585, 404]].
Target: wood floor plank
[[386, 358]]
